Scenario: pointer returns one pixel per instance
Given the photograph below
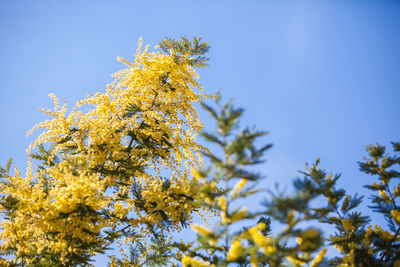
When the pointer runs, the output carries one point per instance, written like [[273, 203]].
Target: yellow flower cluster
[[396, 192], [347, 224], [396, 215], [201, 230], [238, 187], [295, 261], [146, 118], [384, 195], [48, 220], [262, 241], [235, 251], [223, 205], [239, 215], [382, 234], [193, 262], [318, 259]]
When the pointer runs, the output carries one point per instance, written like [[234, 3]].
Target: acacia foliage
[[114, 169], [286, 230]]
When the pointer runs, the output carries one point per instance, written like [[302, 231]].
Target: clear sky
[[322, 76]]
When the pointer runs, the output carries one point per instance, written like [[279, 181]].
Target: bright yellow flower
[[396, 215], [200, 229], [238, 187], [318, 259], [259, 238], [347, 224], [239, 215], [192, 262], [235, 251]]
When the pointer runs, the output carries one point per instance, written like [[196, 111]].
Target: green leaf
[[8, 165]]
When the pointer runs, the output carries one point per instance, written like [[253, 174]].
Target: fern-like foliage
[[179, 49]]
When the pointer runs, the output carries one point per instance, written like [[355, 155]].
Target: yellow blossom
[[200, 229], [222, 203], [295, 261], [347, 224], [235, 251], [239, 215], [318, 259], [238, 187], [396, 215], [192, 262], [259, 238], [385, 235], [261, 226]]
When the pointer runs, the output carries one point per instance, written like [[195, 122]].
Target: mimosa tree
[[116, 167], [125, 168]]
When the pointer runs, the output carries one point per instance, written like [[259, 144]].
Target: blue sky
[[321, 76]]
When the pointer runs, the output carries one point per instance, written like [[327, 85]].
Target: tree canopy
[[126, 167]]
